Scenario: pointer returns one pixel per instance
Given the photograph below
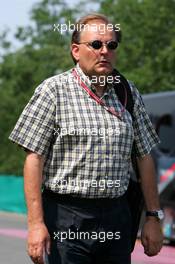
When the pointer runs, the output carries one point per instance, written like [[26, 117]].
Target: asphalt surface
[[13, 239], [13, 235]]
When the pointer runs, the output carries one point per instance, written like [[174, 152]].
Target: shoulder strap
[[120, 91]]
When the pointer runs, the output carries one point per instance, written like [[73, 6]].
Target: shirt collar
[[89, 83]]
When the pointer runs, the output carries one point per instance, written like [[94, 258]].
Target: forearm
[[148, 182], [33, 168]]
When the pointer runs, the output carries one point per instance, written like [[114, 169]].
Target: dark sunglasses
[[97, 44]]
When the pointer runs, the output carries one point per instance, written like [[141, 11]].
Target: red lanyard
[[97, 99]]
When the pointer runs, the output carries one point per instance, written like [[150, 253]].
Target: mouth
[[103, 62]]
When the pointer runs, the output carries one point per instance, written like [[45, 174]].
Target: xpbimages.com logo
[[101, 79], [70, 27], [79, 131], [71, 235], [79, 184]]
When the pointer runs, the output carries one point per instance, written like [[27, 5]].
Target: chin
[[104, 70]]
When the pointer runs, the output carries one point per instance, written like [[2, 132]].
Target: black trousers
[[87, 231]]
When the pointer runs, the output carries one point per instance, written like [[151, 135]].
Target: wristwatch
[[159, 214]]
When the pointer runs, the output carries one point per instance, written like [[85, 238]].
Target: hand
[[152, 237], [38, 243]]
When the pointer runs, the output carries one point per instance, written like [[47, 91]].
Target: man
[[78, 138]]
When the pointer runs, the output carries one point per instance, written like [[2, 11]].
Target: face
[[93, 61]]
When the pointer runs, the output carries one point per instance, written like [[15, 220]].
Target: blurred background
[[32, 49]]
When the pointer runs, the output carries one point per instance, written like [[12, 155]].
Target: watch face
[[160, 214]]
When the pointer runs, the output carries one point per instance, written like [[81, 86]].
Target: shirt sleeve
[[35, 126], [144, 133]]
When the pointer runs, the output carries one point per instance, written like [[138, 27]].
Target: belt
[[71, 199]]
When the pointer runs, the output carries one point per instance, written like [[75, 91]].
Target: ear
[[75, 51]]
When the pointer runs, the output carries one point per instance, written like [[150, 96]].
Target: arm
[[151, 237], [38, 236]]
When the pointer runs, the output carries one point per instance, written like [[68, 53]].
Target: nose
[[104, 48]]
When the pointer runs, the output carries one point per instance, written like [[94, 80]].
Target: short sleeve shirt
[[87, 150]]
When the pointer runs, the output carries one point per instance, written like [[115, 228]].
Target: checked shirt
[[87, 149]]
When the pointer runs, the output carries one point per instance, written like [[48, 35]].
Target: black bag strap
[[120, 91]]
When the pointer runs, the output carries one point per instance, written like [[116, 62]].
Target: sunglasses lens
[[112, 45], [96, 44]]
